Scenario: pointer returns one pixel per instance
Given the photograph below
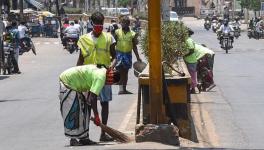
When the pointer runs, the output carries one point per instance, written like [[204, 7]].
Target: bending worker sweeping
[[74, 107]]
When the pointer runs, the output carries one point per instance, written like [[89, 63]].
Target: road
[[236, 104], [29, 104]]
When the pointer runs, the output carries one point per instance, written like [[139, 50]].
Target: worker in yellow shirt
[[126, 41], [98, 47]]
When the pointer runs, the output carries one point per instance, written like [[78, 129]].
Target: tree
[[124, 3]]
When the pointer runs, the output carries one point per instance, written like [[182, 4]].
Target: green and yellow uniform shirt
[[84, 78]]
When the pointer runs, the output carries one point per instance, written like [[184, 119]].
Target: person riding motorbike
[[207, 21], [22, 29], [214, 18], [70, 32], [225, 29], [112, 27], [260, 28]]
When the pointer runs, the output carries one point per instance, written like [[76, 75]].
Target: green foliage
[[124, 3], [174, 35], [141, 15], [251, 4], [72, 10]]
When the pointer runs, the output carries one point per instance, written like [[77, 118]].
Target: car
[[174, 16]]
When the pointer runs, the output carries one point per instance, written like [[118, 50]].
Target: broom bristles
[[117, 135]]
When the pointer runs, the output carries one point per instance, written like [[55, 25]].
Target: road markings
[[128, 117]]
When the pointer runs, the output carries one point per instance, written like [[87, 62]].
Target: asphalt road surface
[[29, 104], [236, 104]]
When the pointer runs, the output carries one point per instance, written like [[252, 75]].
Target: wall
[[196, 4]]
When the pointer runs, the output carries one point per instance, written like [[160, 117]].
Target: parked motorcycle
[[207, 25]]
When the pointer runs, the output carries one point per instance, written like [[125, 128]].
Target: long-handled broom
[[117, 135]]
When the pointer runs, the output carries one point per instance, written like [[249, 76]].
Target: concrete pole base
[[162, 133]]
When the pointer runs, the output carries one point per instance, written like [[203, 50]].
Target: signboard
[[165, 10]]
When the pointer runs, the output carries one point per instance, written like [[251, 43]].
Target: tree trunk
[[21, 8], [108, 3], [14, 4], [77, 3]]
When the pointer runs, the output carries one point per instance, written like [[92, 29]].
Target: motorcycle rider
[[112, 27], [77, 26], [260, 28], [206, 19], [214, 18], [70, 32], [22, 29], [225, 28]]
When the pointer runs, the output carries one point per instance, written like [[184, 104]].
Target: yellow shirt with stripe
[[96, 51], [124, 40]]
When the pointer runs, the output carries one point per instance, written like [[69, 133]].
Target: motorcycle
[[8, 58], [236, 30], [226, 42], [71, 45], [25, 47], [207, 25], [214, 25]]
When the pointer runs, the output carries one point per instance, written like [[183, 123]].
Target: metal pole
[[155, 73]]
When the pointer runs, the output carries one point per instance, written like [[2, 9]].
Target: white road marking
[[128, 116], [47, 43]]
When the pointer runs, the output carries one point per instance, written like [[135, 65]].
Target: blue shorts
[[124, 60], [106, 94]]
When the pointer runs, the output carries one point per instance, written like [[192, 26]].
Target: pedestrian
[[89, 25], [98, 47], [191, 61], [15, 41], [126, 42], [75, 109], [81, 25]]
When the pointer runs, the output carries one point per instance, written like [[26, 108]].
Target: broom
[[115, 134]]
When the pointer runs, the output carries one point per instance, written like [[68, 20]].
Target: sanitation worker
[[74, 106], [126, 42], [98, 47]]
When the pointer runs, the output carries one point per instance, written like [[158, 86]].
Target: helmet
[[225, 22]]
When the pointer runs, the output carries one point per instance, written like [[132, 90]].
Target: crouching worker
[[75, 109]]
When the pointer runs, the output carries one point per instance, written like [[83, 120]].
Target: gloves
[[97, 120]]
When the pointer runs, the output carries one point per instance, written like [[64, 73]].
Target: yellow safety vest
[[96, 52], [124, 41]]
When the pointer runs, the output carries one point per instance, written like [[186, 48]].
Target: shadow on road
[[2, 77]]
